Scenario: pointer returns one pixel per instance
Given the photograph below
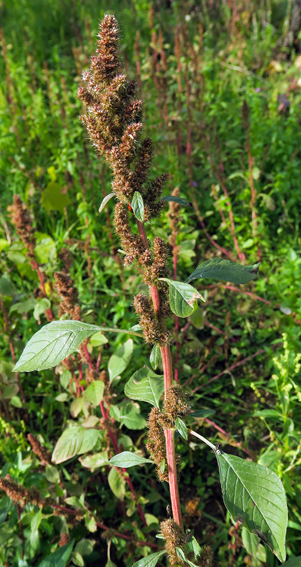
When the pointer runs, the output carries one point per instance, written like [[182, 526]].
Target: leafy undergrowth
[[222, 104]]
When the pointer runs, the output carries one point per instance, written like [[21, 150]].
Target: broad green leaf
[[59, 558], [131, 418], [52, 198], [120, 359], [85, 546], [155, 357], [94, 393], [10, 391], [74, 441], [202, 413], [181, 428], [52, 344], [149, 561], [138, 206], [52, 474], [182, 297], [150, 519], [105, 201], [178, 200], [127, 459], [181, 555], [95, 461], [98, 339], [40, 307], [293, 562], [23, 306], [77, 406], [36, 520], [220, 269], [15, 401], [7, 287], [116, 484], [145, 386], [254, 496], [45, 249]]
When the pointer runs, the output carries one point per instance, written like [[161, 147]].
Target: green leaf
[[74, 441], [127, 459], [52, 474], [85, 546], [116, 484], [10, 391], [225, 270], [202, 413], [90, 523], [120, 359], [178, 200], [105, 201], [7, 287], [151, 560], [254, 496], [131, 418], [52, 198], [252, 545], [267, 413], [98, 339], [182, 297], [94, 393], [138, 206], [52, 344], [180, 553], [24, 306], [40, 307], [59, 558], [15, 401], [155, 356], [181, 428], [293, 562], [95, 461], [145, 386], [45, 249], [62, 397], [3, 244], [77, 559], [65, 378], [77, 406]]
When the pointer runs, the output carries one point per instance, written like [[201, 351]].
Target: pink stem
[[257, 297], [227, 435]]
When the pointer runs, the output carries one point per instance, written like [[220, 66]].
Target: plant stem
[[168, 380]]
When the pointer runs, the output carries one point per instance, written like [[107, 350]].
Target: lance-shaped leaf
[[202, 413], [105, 201], [182, 297], [52, 344], [155, 356], [145, 386], [254, 496], [149, 561], [138, 206], [178, 200], [220, 269], [127, 459]]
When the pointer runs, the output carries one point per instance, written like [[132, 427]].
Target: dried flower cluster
[[41, 452], [174, 537], [20, 494], [114, 125], [23, 223], [64, 285]]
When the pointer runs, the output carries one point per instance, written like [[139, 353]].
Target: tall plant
[[252, 493]]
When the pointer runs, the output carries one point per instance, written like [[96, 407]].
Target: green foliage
[[127, 459], [183, 297], [138, 206], [225, 270], [255, 496], [145, 386]]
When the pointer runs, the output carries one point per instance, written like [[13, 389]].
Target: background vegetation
[[221, 86]]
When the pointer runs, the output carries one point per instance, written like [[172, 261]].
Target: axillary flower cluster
[[114, 125]]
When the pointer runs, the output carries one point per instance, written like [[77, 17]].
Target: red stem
[[168, 380]]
